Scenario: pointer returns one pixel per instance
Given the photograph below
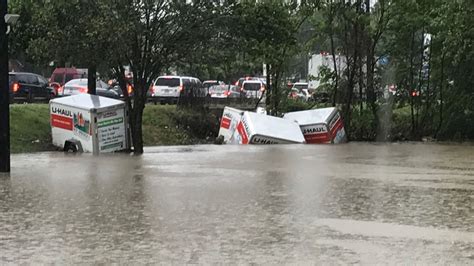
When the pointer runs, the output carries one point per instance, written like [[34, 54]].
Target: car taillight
[[83, 90], [60, 90], [181, 88], [262, 88], [237, 83], [16, 87], [226, 93], [152, 89]]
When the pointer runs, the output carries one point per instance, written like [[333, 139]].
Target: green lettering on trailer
[[110, 122]]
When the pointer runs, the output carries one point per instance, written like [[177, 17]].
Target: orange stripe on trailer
[[243, 133], [60, 121], [317, 138], [225, 123]]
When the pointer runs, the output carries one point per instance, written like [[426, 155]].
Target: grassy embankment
[[162, 125], [166, 125]]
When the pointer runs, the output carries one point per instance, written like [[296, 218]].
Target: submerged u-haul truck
[[89, 123], [323, 125], [256, 128]]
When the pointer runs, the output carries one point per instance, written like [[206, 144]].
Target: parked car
[[61, 76], [296, 94], [321, 97], [116, 86], [253, 88], [224, 91], [234, 92], [28, 87], [300, 90], [240, 81], [208, 83], [193, 87], [78, 86], [168, 89]]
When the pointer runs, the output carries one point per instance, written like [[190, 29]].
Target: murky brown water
[[354, 203]]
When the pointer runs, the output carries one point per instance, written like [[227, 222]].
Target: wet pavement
[[355, 203]]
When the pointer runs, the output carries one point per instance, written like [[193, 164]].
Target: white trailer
[[256, 128], [317, 61], [89, 123], [323, 125], [229, 121]]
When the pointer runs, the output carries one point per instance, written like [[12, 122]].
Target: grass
[[160, 127], [30, 129]]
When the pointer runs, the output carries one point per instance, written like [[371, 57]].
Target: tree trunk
[[412, 83], [440, 124], [276, 95], [361, 84], [351, 70], [334, 61], [428, 114], [92, 79], [370, 67], [136, 116], [268, 90], [420, 83]]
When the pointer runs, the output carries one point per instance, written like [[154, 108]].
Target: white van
[[253, 88], [167, 89]]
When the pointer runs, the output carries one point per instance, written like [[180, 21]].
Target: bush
[[363, 126], [200, 124]]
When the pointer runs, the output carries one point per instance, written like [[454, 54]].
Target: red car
[[61, 76]]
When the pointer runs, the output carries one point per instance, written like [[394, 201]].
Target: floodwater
[[304, 204]]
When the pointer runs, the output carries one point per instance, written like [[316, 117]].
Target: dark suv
[[28, 87]]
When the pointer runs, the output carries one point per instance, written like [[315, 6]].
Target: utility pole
[[4, 93]]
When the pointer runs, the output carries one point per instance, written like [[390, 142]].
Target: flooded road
[[355, 203]]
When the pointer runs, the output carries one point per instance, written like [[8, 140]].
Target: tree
[[153, 36], [268, 31]]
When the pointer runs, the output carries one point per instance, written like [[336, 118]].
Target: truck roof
[[87, 101], [275, 127], [308, 117]]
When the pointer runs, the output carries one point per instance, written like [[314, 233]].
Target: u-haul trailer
[[89, 123], [256, 128], [323, 125]]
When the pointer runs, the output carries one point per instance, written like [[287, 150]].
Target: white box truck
[[256, 128], [323, 125], [89, 123]]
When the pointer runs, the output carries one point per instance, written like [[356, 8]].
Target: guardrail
[[219, 103]]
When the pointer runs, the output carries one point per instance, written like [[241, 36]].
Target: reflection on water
[[355, 203]]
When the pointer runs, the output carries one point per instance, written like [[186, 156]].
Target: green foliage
[[401, 125], [30, 130], [363, 127], [291, 105], [202, 125]]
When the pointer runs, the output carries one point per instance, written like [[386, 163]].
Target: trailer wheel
[[70, 147], [73, 146]]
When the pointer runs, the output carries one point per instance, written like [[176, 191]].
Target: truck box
[[91, 123], [230, 119], [323, 125], [256, 128]]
